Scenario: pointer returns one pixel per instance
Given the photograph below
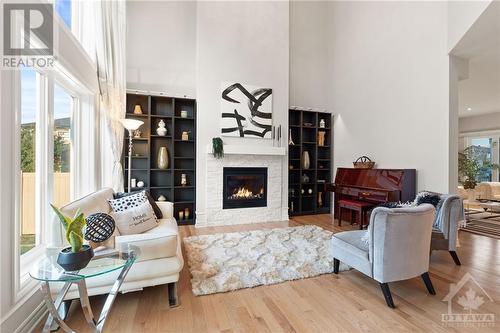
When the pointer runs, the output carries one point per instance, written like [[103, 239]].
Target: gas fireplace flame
[[244, 193]]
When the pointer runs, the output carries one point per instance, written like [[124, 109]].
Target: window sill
[[26, 286]]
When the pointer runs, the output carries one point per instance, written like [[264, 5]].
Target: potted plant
[[78, 255], [470, 166]]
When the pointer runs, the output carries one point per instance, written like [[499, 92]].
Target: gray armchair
[[397, 248], [445, 230]]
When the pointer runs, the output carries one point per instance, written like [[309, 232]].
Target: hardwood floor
[[348, 302]]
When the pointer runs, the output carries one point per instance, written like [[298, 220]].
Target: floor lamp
[[131, 125]]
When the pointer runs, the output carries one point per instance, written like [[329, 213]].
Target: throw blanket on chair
[[443, 211]]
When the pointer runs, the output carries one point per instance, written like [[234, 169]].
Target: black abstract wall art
[[246, 110]]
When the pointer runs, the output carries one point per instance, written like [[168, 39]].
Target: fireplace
[[244, 188]]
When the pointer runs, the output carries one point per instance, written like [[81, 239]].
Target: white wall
[[389, 86], [161, 46], [245, 42], [486, 122], [461, 16], [308, 54]]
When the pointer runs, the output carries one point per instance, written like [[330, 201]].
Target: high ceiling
[[480, 92]]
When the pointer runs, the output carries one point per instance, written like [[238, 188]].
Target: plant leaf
[[65, 221], [76, 241], [76, 226]]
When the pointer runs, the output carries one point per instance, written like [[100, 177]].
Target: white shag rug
[[225, 262]]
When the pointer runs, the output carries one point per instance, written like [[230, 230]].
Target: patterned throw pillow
[[135, 220], [131, 201], [158, 213]]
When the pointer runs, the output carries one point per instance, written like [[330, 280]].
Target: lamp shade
[[131, 124]]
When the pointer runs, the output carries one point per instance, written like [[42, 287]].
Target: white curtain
[[110, 30]]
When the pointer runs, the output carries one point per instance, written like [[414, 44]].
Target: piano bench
[[361, 207]]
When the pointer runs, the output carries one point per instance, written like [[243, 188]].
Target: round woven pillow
[[100, 227]]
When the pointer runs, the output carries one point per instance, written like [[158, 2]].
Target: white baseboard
[[29, 324]]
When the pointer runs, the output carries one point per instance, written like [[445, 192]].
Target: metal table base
[[53, 305]]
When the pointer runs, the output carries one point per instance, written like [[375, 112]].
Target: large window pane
[[63, 105], [28, 176], [483, 154], [63, 8]]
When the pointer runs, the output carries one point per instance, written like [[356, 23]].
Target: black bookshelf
[[181, 153], [303, 196]]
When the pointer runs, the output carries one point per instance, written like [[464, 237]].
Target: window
[[63, 109], [29, 236], [45, 150], [63, 8], [485, 149]]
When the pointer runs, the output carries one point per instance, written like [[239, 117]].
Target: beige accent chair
[[397, 248], [159, 262], [488, 191]]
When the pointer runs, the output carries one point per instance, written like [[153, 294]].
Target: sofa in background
[[488, 191]]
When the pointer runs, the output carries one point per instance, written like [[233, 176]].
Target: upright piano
[[373, 185]]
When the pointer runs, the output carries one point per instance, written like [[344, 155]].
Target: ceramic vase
[[306, 162], [163, 158]]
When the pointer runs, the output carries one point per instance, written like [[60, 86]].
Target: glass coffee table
[[47, 270]]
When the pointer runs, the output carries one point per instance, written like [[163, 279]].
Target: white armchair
[[160, 260], [397, 248]]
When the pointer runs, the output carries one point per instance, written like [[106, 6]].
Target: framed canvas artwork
[[246, 110]]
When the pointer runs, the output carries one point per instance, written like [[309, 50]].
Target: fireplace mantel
[[250, 150]]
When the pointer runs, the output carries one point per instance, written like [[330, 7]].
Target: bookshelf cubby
[[304, 185], [181, 153]]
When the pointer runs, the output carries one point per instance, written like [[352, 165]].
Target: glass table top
[[47, 269]]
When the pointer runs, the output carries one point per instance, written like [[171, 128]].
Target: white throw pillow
[[135, 220]]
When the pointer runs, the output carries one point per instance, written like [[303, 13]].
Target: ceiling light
[[469, 109]]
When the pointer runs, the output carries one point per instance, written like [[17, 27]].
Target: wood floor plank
[[348, 302]]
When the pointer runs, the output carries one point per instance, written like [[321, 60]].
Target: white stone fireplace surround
[[215, 215]]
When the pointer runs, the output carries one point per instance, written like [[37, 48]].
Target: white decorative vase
[[306, 162], [163, 158]]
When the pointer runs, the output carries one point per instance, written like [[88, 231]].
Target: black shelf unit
[[181, 154], [303, 197]]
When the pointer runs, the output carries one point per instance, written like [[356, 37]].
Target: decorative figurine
[[290, 140], [184, 114], [310, 191], [183, 179], [320, 199], [137, 109], [186, 213], [161, 130], [133, 182], [305, 178], [140, 183], [137, 134], [322, 123], [321, 138], [162, 198], [181, 215], [185, 136]]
